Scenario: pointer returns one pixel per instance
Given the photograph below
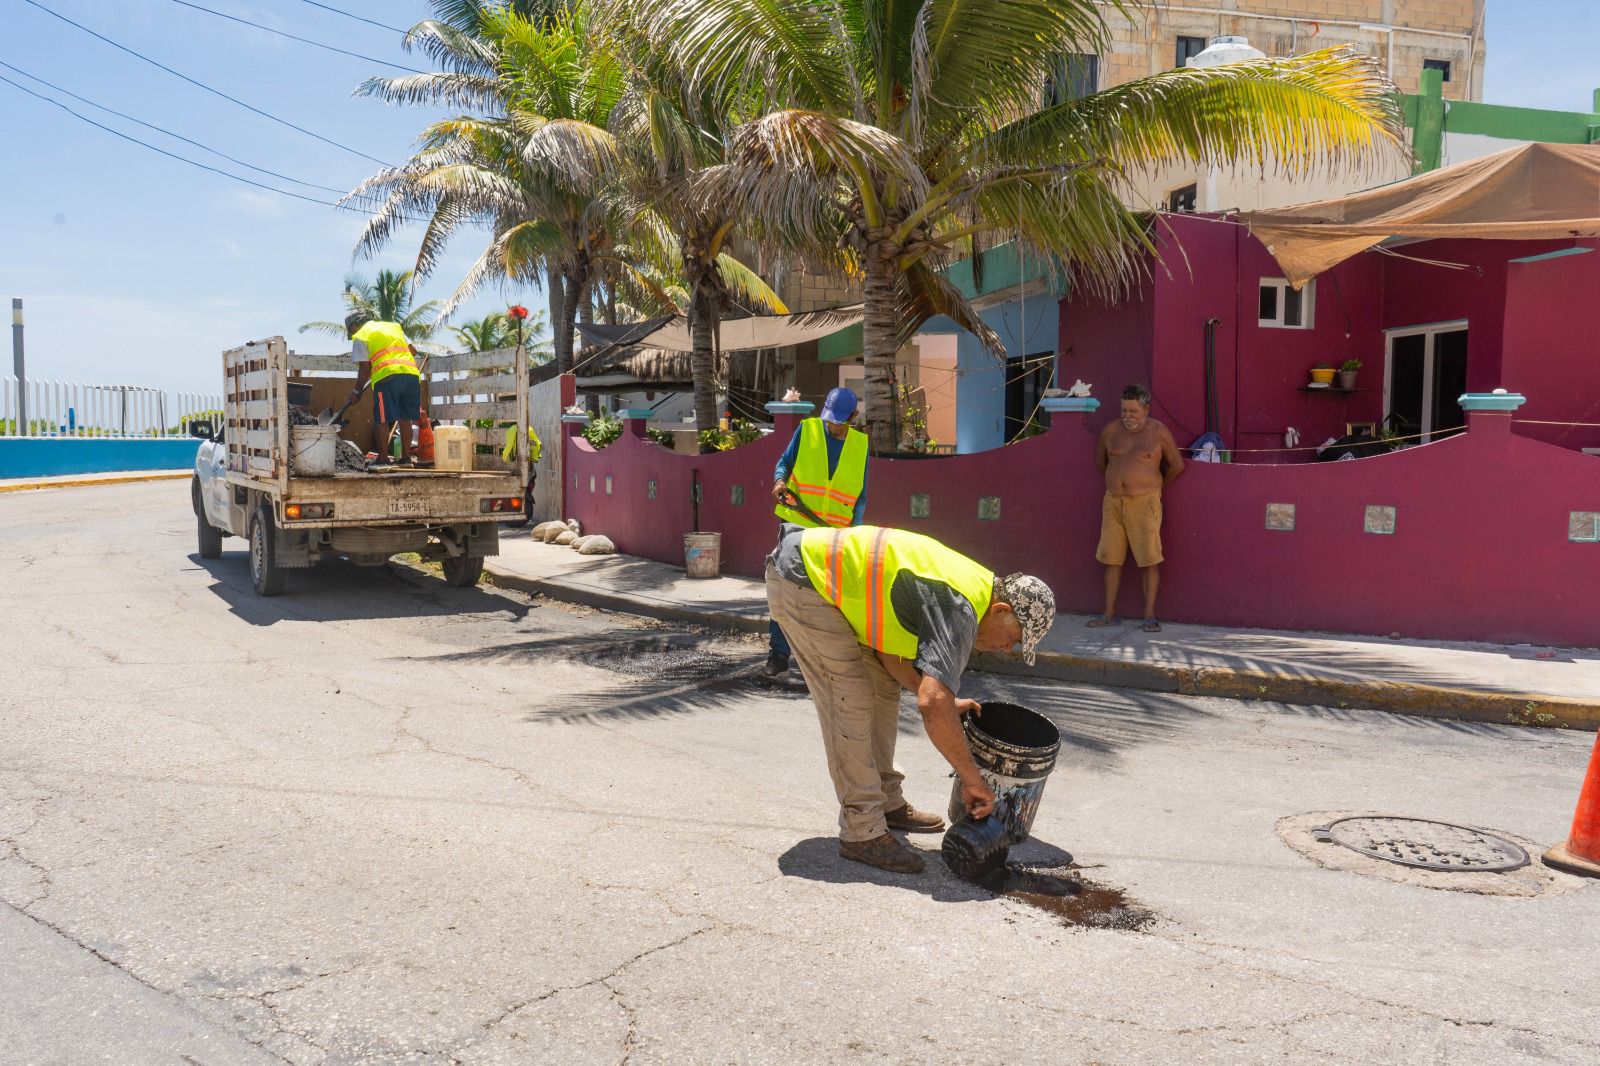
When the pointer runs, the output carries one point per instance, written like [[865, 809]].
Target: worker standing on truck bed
[[388, 359]]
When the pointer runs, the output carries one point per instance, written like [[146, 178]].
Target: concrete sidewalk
[[1519, 684], [67, 481]]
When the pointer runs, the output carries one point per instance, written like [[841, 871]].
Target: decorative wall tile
[[1584, 526], [989, 508], [1379, 519], [1280, 516], [650, 489], [921, 505], [608, 484], [591, 482], [738, 495]]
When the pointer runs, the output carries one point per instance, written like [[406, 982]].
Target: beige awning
[[1532, 192], [671, 334]]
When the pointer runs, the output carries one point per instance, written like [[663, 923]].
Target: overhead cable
[[302, 40], [186, 159], [358, 18], [167, 132], [207, 88]]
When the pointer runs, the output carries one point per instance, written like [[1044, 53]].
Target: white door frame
[[1428, 332]]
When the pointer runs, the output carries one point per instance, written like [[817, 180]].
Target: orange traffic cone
[[1581, 853], [424, 439]]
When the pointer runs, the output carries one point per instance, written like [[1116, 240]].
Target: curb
[[1426, 701], [79, 482], [606, 600]]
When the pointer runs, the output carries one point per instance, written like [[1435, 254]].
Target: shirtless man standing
[[1138, 456]]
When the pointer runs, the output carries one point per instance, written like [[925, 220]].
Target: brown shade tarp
[[1531, 192]]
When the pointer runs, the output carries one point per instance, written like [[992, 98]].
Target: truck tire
[[462, 571], [210, 537], [265, 573]]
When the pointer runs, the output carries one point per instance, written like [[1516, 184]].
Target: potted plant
[[1347, 373], [1322, 375]]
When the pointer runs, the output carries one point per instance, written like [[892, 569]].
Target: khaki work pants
[[858, 705]]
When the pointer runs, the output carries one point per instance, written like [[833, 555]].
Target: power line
[[358, 18], [186, 159], [207, 88], [302, 40], [167, 132]]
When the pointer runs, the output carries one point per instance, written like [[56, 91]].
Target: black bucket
[[975, 849], [1015, 750]]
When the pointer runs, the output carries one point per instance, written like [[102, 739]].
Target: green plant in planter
[[739, 431], [602, 430], [1350, 366], [662, 437]]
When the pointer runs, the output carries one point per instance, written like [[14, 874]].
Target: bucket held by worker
[[1015, 750], [313, 450], [1581, 853], [702, 554], [973, 849]]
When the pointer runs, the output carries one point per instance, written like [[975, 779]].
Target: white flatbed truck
[[245, 485]]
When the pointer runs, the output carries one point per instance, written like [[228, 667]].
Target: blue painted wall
[[1026, 327], [48, 457]]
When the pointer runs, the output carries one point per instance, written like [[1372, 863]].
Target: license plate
[[403, 506]]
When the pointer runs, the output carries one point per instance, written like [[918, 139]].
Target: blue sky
[[138, 269]]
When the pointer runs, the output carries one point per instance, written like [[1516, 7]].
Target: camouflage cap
[[1034, 605]]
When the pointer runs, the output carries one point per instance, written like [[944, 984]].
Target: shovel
[[789, 499], [328, 418]]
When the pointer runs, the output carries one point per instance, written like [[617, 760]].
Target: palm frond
[[922, 293], [747, 285], [1332, 110]]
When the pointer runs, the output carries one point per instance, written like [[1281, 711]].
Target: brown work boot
[[908, 819], [884, 852]]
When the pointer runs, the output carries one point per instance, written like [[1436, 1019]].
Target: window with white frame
[[1282, 307]]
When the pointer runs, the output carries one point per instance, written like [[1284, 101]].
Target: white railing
[[75, 409]]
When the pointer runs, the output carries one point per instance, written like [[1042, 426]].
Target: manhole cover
[[1427, 844]]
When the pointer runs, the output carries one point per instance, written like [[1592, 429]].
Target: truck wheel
[[462, 571], [210, 536], [265, 573]]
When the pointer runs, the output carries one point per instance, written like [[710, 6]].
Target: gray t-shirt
[[942, 620], [358, 351]]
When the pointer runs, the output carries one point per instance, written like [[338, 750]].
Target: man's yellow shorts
[[1130, 522]]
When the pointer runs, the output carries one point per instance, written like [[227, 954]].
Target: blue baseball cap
[[839, 406]]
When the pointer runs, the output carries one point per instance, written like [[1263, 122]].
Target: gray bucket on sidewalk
[[702, 554], [1015, 750]]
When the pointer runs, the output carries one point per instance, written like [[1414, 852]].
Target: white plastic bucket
[[702, 554], [313, 450]]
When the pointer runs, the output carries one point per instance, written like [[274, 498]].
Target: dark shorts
[[397, 398]]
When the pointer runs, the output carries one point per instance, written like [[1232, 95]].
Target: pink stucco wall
[[1211, 269], [1551, 347], [1479, 549]]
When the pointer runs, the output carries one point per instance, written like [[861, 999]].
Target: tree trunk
[[557, 292], [879, 318], [576, 291], [703, 359]]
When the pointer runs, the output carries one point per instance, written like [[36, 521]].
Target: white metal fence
[[75, 409]]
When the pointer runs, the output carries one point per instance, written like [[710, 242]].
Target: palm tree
[[498, 329], [386, 298], [910, 130], [535, 166], [668, 151]]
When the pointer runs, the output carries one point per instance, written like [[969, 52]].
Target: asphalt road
[[381, 820]]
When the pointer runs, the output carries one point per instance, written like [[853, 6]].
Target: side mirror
[[201, 427]]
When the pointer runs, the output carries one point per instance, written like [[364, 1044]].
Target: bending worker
[[870, 611], [388, 359], [825, 466]]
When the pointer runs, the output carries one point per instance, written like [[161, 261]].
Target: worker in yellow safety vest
[[388, 360], [869, 611], [825, 468]]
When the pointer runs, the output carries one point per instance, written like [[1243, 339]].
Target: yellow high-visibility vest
[[387, 349], [832, 498], [854, 569]]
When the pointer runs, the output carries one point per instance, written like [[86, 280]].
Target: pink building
[[1428, 320]]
